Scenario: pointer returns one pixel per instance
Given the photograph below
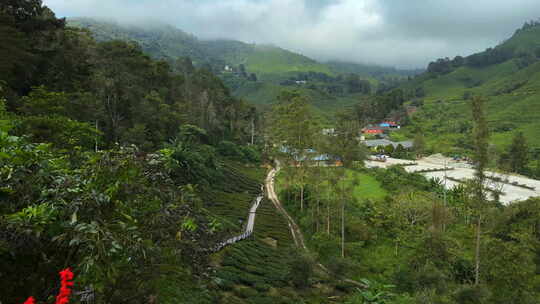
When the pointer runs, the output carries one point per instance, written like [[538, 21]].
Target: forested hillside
[[129, 163], [255, 73], [119, 168], [166, 42], [506, 75], [130, 172], [377, 72], [60, 78], [160, 41]]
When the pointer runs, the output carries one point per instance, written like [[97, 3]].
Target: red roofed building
[[373, 130]]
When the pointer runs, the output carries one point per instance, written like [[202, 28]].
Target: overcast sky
[[400, 33]]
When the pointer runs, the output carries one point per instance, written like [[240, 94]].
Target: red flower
[[63, 297], [66, 276], [30, 301]]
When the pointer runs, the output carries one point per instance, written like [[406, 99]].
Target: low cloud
[[405, 34]]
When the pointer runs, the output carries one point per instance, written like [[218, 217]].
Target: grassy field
[[368, 187], [267, 59]]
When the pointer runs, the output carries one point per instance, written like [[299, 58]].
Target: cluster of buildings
[[380, 128], [375, 143]]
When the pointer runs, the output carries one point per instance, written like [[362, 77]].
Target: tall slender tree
[[481, 137], [343, 144], [294, 127], [519, 153]]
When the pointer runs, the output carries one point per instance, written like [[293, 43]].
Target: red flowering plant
[[30, 301], [66, 277]]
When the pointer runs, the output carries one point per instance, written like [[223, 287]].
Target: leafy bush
[[61, 131], [229, 149], [246, 292], [374, 292], [469, 294], [251, 154], [111, 209], [239, 153], [191, 162], [301, 270]]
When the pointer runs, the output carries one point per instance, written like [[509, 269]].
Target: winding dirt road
[[295, 231]]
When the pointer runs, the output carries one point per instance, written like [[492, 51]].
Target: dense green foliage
[[158, 40], [131, 169], [411, 239], [257, 73], [114, 164], [381, 106], [75, 84], [99, 213]]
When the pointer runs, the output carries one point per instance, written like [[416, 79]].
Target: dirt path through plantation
[[295, 230]]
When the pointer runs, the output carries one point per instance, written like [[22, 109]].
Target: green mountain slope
[[165, 41], [158, 40], [262, 59], [525, 39], [264, 93], [256, 73], [374, 71], [508, 76]]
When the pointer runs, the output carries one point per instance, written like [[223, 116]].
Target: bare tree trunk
[[481, 136], [313, 218], [444, 199], [302, 197], [252, 131], [343, 228], [232, 121], [477, 252], [328, 218], [97, 130], [342, 220], [114, 117], [318, 214]]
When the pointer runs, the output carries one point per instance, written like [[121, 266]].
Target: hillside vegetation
[[507, 76], [406, 238], [262, 59], [166, 42], [159, 40], [256, 73], [128, 172]]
